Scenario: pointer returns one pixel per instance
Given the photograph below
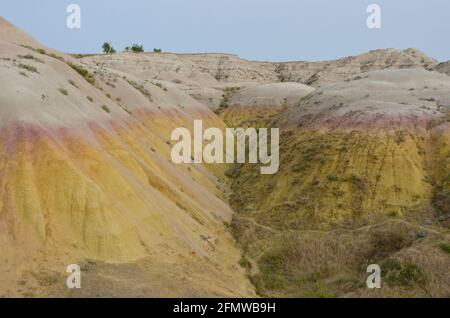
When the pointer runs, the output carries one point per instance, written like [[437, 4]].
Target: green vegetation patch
[[402, 274], [445, 247], [245, 263], [141, 88], [83, 72], [227, 93]]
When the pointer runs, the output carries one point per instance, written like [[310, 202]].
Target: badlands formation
[[86, 179], [86, 175]]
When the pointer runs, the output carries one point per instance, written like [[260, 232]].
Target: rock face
[[189, 69], [247, 105], [210, 69], [270, 95], [318, 74]]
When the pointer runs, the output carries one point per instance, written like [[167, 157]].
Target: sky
[[271, 30]]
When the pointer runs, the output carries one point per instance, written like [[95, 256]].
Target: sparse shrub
[[27, 47], [106, 108], [160, 86], [333, 178], [46, 278], [271, 268], [397, 189], [359, 183], [228, 91], [55, 56], [427, 99], [83, 72], [137, 48], [107, 48], [30, 57], [157, 50], [87, 265], [89, 98], [29, 68], [405, 274], [393, 213], [72, 83], [257, 281], [63, 91], [245, 263], [445, 247], [234, 172], [441, 199], [43, 52], [141, 88], [127, 110], [400, 137], [383, 243]]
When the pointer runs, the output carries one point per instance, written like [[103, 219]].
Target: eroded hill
[[86, 178], [364, 178]]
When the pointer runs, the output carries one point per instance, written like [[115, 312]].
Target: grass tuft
[[28, 67], [63, 91], [106, 108], [83, 72], [73, 83]]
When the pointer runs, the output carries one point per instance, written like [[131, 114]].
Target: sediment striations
[[86, 178]]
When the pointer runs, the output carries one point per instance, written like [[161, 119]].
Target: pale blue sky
[[275, 30]]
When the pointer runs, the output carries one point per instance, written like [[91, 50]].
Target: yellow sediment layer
[[87, 175], [337, 179], [114, 197]]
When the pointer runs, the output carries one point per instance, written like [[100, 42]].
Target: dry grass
[[83, 72], [333, 263], [141, 88]]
